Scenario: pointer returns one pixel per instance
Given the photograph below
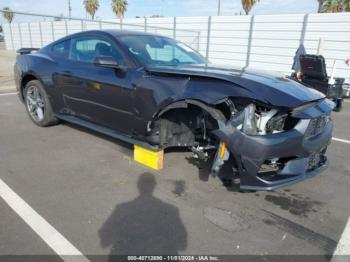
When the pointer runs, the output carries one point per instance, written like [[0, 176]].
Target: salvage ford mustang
[[156, 92]]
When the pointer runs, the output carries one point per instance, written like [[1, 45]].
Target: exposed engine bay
[[192, 124]]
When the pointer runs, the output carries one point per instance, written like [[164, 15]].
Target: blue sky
[[162, 7]]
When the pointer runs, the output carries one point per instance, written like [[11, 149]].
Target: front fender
[[154, 93]]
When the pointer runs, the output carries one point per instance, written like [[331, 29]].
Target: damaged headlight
[[259, 120], [249, 123]]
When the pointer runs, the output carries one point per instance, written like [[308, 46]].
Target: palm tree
[[347, 5], [333, 6], [248, 5], [320, 4], [8, 14], [119, 7], [91, 7]]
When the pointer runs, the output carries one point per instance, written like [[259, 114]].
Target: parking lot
[[87, 187]]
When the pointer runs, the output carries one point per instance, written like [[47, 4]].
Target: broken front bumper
[[297, 154]]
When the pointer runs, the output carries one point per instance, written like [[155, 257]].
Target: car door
[[98, 94]]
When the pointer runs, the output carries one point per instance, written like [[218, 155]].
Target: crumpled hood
[[274, 89]]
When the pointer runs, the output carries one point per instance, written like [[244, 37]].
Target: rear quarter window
[[60, 49]]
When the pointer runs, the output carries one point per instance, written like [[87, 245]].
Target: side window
[[61, 49], [87, 48]]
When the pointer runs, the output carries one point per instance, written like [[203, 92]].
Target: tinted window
[[86, 49], [148, 49], [60, 49]]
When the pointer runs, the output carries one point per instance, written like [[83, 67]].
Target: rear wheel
[[38, 105]]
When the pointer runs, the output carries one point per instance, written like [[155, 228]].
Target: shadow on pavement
[[144, 226]]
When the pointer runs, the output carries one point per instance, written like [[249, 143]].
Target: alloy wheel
[[35, 103]]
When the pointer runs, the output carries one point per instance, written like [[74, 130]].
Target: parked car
[[156, 92], [1, 38]]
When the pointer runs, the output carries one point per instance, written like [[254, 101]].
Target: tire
[[38, 105]]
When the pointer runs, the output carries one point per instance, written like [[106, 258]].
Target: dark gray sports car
[[156, 92]]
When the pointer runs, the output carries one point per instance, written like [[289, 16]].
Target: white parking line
[[343, 247], [48, 233], [347, 101], [341, 140], [8, 94]]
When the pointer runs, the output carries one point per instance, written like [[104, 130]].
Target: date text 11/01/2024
[[173, 258]]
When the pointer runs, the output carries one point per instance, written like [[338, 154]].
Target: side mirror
[[106, 61]]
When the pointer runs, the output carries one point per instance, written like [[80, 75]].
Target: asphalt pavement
[[89, 189], [7, 61]]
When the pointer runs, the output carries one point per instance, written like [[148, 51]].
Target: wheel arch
[[214, 112], [180, 120], [30, 76]]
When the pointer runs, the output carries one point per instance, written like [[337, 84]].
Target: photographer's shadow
[[144, 226]]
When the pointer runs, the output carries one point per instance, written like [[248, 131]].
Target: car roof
[[113, 32], [116, 32]]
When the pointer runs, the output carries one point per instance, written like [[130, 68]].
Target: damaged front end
[[277, 147], [270, 147]]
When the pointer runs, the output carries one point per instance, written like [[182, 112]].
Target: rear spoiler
[[24, 51]]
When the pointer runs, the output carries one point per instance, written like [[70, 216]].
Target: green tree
[[248, 5], [347, 5], [333, 6], [91, 7], [119, 7], [8, 14]]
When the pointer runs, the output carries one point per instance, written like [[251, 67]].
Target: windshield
[[158, 50]]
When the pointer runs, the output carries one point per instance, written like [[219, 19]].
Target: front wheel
[[38, 105]]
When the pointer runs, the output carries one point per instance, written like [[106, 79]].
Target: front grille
[[316, 125]]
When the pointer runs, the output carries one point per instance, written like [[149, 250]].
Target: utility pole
[[219, 3], [69, 10]]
